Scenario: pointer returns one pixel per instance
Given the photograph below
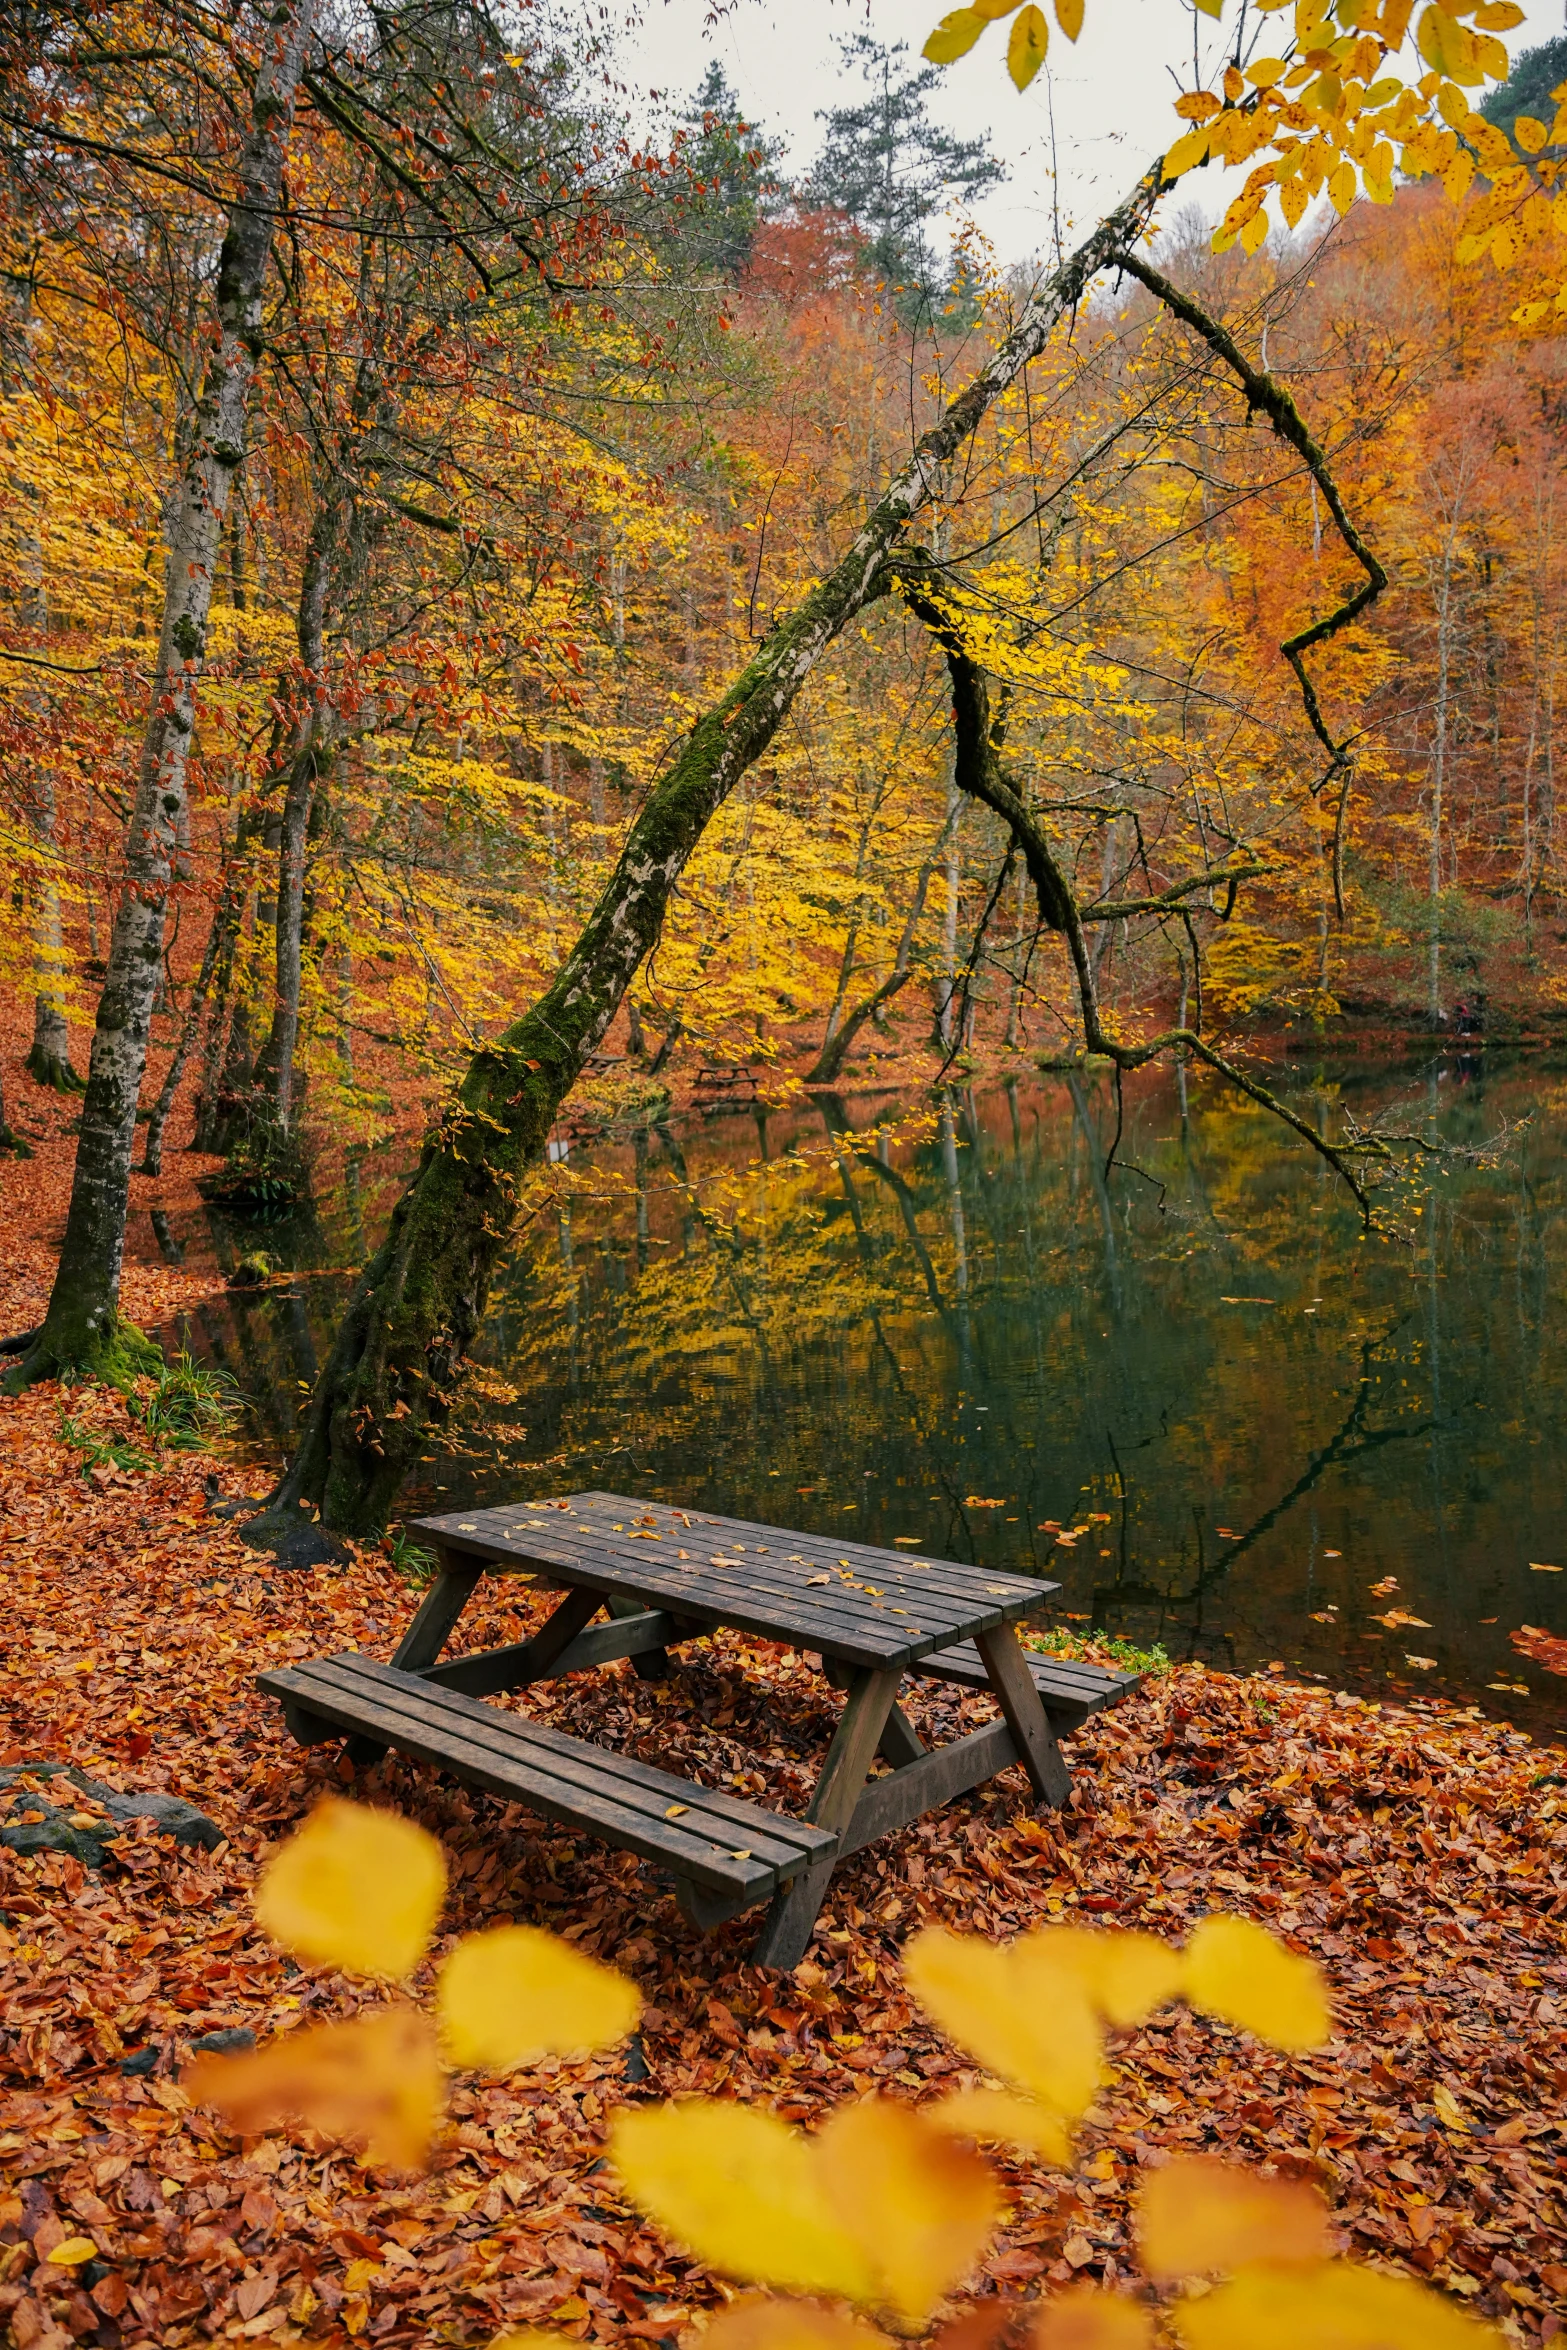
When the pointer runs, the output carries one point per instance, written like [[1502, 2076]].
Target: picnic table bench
[[666, 1576]]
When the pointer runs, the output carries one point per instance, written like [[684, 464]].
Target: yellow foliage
[[1126, 1976], [514, 1994], [753, 2323], [1199, 2215], [1086, 2317], [354, 1888], [1010, 2120], [923, 2208], [1237, 1971], [375, 2081]]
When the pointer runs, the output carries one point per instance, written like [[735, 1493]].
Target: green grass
[[409, 1559], [1126, 1653], [179, 1408]]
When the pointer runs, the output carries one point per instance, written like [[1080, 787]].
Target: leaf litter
[[1419, 1854]]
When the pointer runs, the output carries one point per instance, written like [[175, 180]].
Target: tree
[[731, 168], [890, 170]]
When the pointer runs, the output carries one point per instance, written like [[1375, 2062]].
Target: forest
[[545, 633]]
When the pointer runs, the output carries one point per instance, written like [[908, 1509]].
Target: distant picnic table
[[668, 1575]]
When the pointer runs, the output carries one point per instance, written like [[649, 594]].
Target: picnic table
[[666, 1576]]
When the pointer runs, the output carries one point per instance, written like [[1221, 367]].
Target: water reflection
[[951, 1326]]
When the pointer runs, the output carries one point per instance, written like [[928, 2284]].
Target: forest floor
[[1421, 1855]]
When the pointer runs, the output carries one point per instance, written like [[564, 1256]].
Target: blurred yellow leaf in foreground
[[755, 2324], [1198, 2214], [1088, 2318], [880, 2207], [1001, 2115], [354, 1888], [375, 2080], [1020, 2014], [1303, 2306], [515, 1994], [1235, 1970], [1126, 1976]]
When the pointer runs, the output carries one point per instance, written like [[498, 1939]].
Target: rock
[[224, 2042], [62, 1828], [140, 2061], [293, 1542]]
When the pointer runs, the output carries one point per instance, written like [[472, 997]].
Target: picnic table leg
[[437, 1618], [786, 1933], [653, 1663], [1013, 1688], [900, 1742]]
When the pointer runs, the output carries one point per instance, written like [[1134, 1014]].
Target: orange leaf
[[1088, 2318], [375, 2081]]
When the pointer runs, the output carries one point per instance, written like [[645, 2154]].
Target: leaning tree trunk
[[419, 1301], [82, 1328]]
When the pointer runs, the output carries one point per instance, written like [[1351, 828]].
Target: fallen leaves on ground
[[1419, 1855]]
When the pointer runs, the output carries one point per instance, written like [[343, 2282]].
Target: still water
[[938, 1318]]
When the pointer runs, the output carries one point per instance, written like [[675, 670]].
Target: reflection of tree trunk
[[1096, 1176], [1444, 647], [49, 1060], [947, 986]]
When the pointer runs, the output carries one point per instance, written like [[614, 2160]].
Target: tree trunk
[[420, 1300], [49, 1060], [220, 941], [82, 1327]]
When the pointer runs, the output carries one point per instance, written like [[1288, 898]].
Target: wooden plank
[[540, 1658], [790, 1922], [587, 1798], [649, 1659], [724, 1819], [1071, 1690], [437, 1615], [1025, 1714], [864, 1632], [925, 1785], [901, 1743]]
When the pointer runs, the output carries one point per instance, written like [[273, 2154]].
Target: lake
[[1189, 1392]]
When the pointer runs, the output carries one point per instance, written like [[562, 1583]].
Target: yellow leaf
[[1213, 8], [1030, 2022], [1126, 1976], [743, 2192], [1456, 178], [515, 1994], [1012, 2121], [1302, 2307], [375, 2080], [954, 36], [922, 2207], [73, 2252], [1529, 133], [1341, 187], [1026, 45], [1254, 233], [354, 1888], [1198, 2214], [1263, 72], [993, 10], [1069, 16], [1448, 2110], [1498, 16], [756, 2324], [538, 2338], [1236, 1971], [1186, 153], [1085, 2317], [1292, 202]]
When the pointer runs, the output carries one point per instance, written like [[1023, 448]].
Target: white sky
[[1111, 93]]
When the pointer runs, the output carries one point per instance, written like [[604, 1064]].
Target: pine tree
[[889, 169], [731, 167]]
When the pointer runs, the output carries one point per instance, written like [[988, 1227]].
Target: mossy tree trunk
[[420, 1300], [82, 1328]]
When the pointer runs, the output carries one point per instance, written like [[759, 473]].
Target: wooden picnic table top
[[847, 1600]]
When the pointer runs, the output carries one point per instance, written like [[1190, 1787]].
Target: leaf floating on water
[[1537, 1567], [1542, 1648], [354, 1888]]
